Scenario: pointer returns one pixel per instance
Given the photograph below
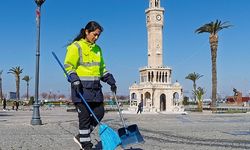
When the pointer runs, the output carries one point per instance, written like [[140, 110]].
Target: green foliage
[[199, 94], [32, 100], [235, 111], [213, 27], [194, 77], [185, 100], [16, 71]]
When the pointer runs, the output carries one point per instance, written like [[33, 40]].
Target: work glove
[[113, 88], [77, 86]]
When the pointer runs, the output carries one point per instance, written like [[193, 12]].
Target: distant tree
[[27, 79], [50, 95], [107, 96], [61, 96], [185, 100], [16, 71], [32, 100], [44, 95], [53, 96], [194, 77], [1, 89], [199, 94], [213, 28], [123, 97]]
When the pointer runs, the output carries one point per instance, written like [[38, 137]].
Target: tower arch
[[176, 98], [163, 102]]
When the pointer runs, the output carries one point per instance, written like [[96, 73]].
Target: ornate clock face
[[158, 17]]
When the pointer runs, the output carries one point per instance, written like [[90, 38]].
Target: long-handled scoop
[[128, 134]]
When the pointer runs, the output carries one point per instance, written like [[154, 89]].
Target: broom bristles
[[110, 139]]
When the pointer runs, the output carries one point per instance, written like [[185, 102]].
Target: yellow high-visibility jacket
[[86, 60]]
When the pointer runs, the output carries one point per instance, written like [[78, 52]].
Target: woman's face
[[92, 36]]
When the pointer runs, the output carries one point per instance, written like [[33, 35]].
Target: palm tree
[[27, 79], [213, 28], [193, 77], [17, 71], [1, 90], [199, 94]]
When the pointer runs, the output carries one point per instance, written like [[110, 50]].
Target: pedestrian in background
[[17, 105], [4, 104], [140, 107], [13, 105], [86, 68]]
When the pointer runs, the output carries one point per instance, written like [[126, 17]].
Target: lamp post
[[36, 120]]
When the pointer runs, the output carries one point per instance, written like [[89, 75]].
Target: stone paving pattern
[[194, 131]]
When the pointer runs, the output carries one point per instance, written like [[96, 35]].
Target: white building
[[155, 88]]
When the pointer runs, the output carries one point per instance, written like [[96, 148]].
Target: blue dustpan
[[110, 139], [128, 134]]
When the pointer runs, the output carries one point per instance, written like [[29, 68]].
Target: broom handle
[[121, 116], [83, 100]]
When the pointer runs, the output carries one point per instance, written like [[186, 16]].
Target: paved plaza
[[194, 131]]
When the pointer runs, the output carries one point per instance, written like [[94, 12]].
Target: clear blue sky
[[124, 41]]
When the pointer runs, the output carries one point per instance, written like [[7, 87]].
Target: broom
[[109, 138]]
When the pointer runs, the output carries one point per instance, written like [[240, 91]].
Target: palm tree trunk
[[214, 45], [27, 91], [200, 109], [1, 90], [194, 86], [17, 88]]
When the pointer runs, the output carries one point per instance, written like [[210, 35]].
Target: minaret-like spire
[[154, 21]]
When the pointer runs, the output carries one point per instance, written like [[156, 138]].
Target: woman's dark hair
[[91, 26]]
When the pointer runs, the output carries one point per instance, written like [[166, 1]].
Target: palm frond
[[193, 76], [15, 70], [213, 27], [199, 93], [26, 78]]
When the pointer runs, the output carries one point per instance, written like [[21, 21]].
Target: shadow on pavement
[[133, 149], [98, 146], [5, 115]]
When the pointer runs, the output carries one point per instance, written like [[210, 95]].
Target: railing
[[147, 67]]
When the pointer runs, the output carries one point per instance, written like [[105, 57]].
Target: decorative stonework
[[155, 89]]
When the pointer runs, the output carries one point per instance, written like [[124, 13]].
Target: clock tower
[[154, 22], [155, 89]]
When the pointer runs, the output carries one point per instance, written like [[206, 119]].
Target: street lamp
[[36, 114]]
